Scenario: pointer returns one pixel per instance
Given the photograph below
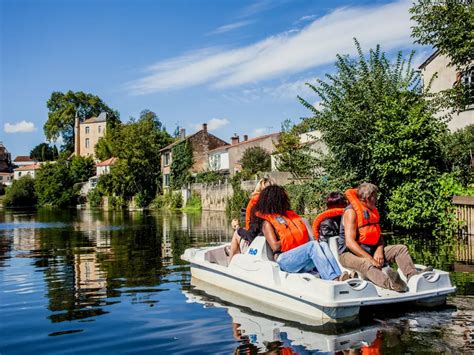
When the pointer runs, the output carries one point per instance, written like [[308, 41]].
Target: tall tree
[[44, 152], [448, 26], [63, 108]]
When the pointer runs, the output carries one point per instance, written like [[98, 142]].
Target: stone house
[[103, 167], [5, 160], [226, 159], [201, 142], [88, 133], [447, 76], [23, 160], [26, 170]]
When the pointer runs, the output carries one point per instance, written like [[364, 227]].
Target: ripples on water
[[82, 281]]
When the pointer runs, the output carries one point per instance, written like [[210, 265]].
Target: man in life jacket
[[361, 246]]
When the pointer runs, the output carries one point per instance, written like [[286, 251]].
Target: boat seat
[[309, 228], [260, 248], [334, 249]]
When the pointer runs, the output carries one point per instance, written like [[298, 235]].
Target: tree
[[44, 152], [301, 160], [137, 144], [256, 159], [81, 168], [182, 161], [54, 185], [21, 193], [63, 108], [377, 124], [459, 150], [448, 26]]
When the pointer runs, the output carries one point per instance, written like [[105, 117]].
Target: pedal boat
[[255, 275]]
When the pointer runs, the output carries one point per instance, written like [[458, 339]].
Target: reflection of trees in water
[[6, 243]]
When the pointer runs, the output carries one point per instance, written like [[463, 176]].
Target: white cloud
[[230, 27], [19, 127], [285, 53], [306, 18], [213, 124]]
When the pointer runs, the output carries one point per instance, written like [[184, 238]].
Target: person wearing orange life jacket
[[326, 224], [288, 237], [361, 246], [242, 237]]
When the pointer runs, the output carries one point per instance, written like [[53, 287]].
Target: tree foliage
[[137, 146], [448, 26], [182, 161], [21, 193], [255, 160], [63, 108], [459, 149], [377, 124], [44, 152], [54, 185], [81, 168], [302, 160]]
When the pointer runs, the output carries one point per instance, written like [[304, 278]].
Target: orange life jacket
[[290, 228], [252, 202], [367, 220], [332, 212], [373, 349]]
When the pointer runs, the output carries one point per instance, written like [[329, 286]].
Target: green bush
[[157, 202], [193, 203], [172, 200], [94, 198], [207, 177], [239, 199], [2, 189], [54, 185], [21, 193]]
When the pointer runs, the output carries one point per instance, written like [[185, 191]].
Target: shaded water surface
[[89, 281]]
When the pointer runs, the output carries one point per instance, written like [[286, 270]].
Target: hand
[[378, 256], [374, 262], [235, 224]]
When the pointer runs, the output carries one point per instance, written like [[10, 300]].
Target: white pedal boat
[[262, 330], [255, 275]]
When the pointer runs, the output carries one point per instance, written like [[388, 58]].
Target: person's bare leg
[[234, 245]]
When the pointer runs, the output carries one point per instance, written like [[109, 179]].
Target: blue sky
[[237, 65]]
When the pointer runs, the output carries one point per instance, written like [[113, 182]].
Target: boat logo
[[253, 251]]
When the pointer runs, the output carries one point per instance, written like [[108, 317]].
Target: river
[[76, 281]]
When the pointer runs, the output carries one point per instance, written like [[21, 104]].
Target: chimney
[[246, 138], [182, 133], [204, 127], [234, 139]]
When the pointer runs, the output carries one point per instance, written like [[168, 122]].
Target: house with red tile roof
[[104, 166], [26, 170], [24, 160], [226, 159]]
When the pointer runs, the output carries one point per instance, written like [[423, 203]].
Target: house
[[226, 159], [201, 142], [26, 170], [447, 76], [5, 160], [104, 166], [24, 160], [6, 179], [88, 133]]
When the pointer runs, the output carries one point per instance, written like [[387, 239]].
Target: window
[[167, 159], [166, 180], [467, 81], [100, 129], [19, 173], [87, 143], [87, 129], [1, 178]]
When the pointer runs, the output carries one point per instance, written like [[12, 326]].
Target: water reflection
[[71, 274]]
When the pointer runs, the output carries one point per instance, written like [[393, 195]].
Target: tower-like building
[[88, 133], [5, 160]]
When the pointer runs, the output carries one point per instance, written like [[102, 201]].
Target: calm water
[[95, 282]]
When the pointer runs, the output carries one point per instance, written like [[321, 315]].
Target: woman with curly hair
[[287, 235]]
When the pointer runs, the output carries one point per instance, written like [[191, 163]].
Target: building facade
[[446, 76], [6, 165], [201, 142], [24, 160], [87, 134], [30, 170], [227, 159]]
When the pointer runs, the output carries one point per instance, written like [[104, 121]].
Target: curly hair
[[272, 199]]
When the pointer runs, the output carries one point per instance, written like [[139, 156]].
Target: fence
[[465, 214]]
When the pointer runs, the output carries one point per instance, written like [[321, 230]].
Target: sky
[[237, 65]]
